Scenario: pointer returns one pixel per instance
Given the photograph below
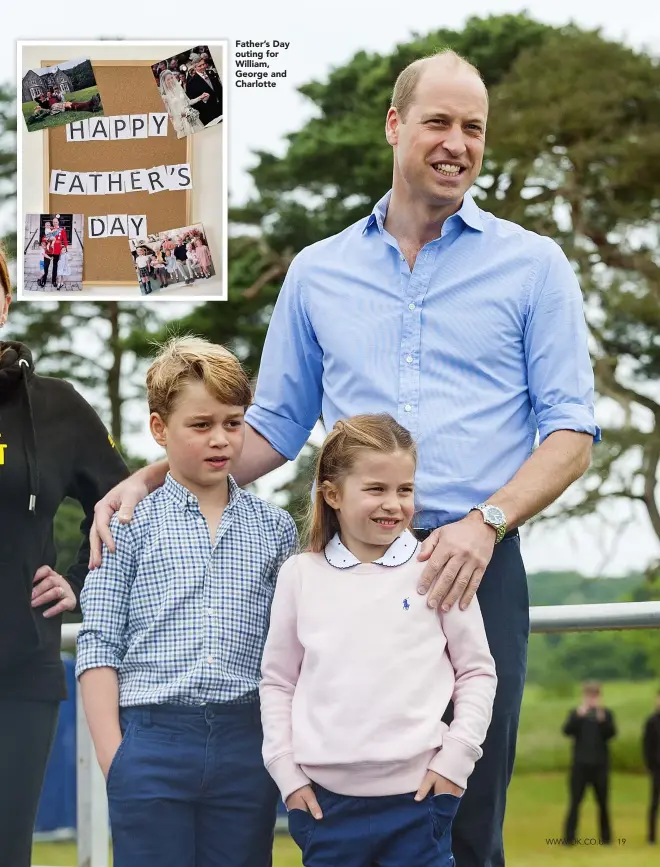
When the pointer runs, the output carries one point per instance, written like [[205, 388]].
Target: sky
[[258, 119]]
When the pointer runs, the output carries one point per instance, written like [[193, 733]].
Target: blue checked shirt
[[184, 621], [480, 347]]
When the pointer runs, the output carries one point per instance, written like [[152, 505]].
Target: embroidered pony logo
[[406, 604]]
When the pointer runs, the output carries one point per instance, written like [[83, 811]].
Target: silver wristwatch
[[494, 516]]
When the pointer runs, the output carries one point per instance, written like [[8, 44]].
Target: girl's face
[[375, 502]]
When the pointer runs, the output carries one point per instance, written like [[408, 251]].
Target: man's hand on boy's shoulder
[[122, 499]]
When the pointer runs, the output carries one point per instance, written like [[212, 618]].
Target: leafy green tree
[[8, 161], [91, 344]]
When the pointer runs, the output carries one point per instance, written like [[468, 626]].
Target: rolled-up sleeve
[[105, 602], [287, 402], [559, 372]]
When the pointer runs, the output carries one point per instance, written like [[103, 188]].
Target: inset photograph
[[55, 95], [173, 259], [191, 89], [53, 253]]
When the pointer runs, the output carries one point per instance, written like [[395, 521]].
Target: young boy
[[174, 626]]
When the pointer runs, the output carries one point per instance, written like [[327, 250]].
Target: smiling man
[[469, 330]]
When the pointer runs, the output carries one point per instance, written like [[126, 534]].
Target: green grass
[[536, 808], [65, 116], [543, 748], [538, 793]]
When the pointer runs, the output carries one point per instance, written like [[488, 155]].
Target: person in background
[[57, 243], [172, 700], [52, 446], [592, 726], [651, 750]]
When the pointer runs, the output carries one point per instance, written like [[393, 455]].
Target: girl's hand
[[439, 785], [304, 799], [50, 587]]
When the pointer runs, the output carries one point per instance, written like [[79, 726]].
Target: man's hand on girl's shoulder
[[304, 799]]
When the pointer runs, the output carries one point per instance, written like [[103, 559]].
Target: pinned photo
[[53, 252], [172, 258], [191, 89], [61, 94]]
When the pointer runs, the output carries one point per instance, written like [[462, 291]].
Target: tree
[[8, 159], [104, 361]]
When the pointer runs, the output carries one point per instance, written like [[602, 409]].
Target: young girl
[[203, 257], [158, 264], [358, 670], [45, 241], [142, 261]]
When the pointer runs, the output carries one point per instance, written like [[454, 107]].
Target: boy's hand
[[439, 785], [304, 799], [106, 754]]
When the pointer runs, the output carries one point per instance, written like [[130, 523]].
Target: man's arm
[[560, 382], [286, 407], [572, 724]]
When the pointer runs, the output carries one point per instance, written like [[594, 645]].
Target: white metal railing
[[92, 815]]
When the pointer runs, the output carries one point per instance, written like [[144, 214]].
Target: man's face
[[439, 145], [200, 67]]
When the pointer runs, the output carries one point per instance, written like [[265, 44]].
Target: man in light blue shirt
[[470, 331]]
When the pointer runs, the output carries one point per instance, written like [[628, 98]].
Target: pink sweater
[[357, 675]]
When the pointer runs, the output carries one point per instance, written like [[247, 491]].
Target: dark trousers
[[27, 729], [581, 777], [390, 831], [653, 806], [188, 788], [56, 258], [504, 602]]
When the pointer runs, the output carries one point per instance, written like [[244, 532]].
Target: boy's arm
[[572, 724], [99, 688], [474, 693], [105, 600], [280, 669]]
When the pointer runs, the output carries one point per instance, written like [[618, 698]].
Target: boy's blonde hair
[[191, 359]]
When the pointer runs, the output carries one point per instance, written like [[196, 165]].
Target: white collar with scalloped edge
[[400, 551]]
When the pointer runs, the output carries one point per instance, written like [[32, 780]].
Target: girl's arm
[[474, 693], [280, 669]]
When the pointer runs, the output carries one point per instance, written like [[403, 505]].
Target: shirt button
[[407, 407], [409, 359], [209, 659], [411, 306]]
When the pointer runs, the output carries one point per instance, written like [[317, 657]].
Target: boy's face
[[203, 437]]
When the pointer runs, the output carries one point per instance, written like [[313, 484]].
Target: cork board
[[126, 87]]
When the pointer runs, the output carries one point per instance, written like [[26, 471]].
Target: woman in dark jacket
[[52, 446]]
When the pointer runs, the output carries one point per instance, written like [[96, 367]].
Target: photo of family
[[53, 252], [171, 258], [191, 89], [61, 94]]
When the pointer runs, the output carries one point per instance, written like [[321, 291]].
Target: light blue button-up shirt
[[482, 344], [184, 619]]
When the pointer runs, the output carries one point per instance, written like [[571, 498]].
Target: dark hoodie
[[52, 445]]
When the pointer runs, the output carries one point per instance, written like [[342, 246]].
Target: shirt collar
[[400, 551], [184, 498], [468, 212]]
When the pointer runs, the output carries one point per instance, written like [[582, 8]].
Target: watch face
[[495, 516]]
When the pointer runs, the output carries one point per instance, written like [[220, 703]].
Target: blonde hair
[[191, 359], [407, 81], [377, 432]]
